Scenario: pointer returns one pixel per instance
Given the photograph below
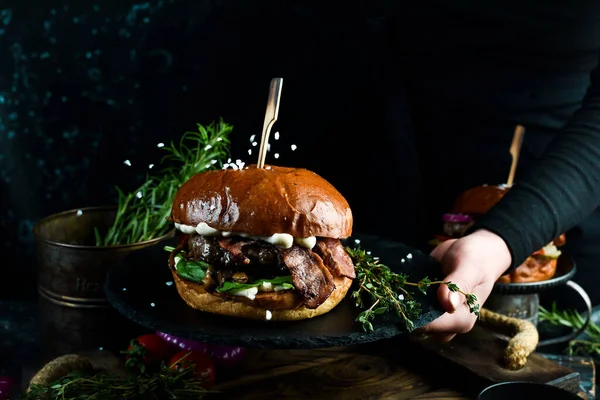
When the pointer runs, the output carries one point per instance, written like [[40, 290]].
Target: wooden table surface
[[372, 371]]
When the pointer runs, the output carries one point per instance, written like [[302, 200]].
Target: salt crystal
[[268, 315], [152, 305], [169, 283], [400, 297], [268, 146], [228, 160], [357, 241], [79, 213], [249, 152], [160, 145], [276, 155], [252, 140], [150, 166], [124, 289], [101, 348], [127, 162], [409, 256], [254, 144], [268, 167], [368, 252], [294, 147], [403, 260], [277, 135]]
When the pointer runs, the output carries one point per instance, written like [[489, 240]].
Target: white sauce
[[249, 293], [283, 240]]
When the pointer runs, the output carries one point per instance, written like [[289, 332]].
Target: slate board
[[138, 289]]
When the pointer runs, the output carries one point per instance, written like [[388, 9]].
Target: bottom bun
[[534, 269], [284, 306]]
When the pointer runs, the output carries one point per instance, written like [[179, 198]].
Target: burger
[[261, 243], [475, 202]]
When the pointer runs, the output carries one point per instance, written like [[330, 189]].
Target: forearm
[[560, 191]]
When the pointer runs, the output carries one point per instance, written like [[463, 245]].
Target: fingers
[[449, 300], [441, 249], [446, 326]]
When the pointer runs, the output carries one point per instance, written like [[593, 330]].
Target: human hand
[[473, 263]]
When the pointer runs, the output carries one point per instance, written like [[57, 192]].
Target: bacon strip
[[335, 257], [310, 276]]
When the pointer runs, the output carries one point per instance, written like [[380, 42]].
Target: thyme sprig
[[167, 383], [572, 319], [381, 290], [141, 213]]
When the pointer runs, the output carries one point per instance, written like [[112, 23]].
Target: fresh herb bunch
[[167, 383], [380, 290], [141, 213], [573, 319]]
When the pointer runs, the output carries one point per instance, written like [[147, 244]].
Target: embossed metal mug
[[71, 269]]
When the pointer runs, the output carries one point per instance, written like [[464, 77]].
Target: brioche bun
[[284, 306], [264, 201], [479, 199]]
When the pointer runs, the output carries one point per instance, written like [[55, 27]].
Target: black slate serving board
[[140, 289]]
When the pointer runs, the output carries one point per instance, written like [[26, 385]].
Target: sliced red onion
[[457, 218], [6, 384], [221, 355], [184, 344], [227, 355]]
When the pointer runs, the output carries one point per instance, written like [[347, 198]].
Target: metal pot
[[71, 268]]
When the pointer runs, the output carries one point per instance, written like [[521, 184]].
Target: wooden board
[[477, 358], [399, 368]]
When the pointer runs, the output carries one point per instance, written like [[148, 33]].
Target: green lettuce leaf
[[284, 281]]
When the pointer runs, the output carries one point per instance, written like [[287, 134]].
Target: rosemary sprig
[[167, 383], [141, 213], [572, 319], [380, 290]]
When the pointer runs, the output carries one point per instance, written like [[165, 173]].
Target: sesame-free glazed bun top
[[264, 201], [479, 199]]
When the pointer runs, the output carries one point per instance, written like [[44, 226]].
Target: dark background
[[87, 85]]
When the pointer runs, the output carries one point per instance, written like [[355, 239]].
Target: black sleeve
[[560, 191]]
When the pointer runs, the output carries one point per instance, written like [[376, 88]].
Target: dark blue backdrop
[[87, 85]]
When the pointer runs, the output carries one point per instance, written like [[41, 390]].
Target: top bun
[[479, 199], [264, 201]]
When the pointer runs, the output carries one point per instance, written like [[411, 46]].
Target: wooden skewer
[[515, 150], [270, 118]]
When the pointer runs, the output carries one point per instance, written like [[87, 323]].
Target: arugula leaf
[[284, 281], [194, 271]]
